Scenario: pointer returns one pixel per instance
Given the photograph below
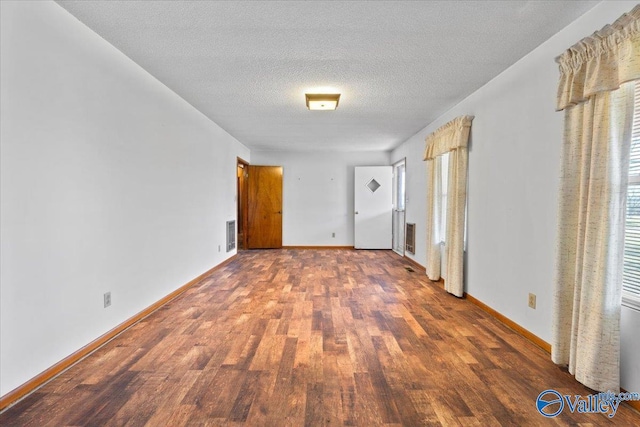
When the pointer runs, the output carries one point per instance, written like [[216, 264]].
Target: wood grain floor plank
[[310, 337]]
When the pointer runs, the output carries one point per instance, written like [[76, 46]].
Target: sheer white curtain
[[451, 138], [597, 98]]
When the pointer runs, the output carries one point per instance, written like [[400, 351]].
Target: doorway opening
[[399, 200], [241, 197], [259, 199]]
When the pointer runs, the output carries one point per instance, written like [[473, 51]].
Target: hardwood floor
[[310, 337]]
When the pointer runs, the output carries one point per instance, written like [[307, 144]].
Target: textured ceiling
[[399, 65]]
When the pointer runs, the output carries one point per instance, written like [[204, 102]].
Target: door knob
[[356, 212]]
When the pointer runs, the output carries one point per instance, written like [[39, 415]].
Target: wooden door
[[264, 188]]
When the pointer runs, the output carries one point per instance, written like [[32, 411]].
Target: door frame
[[400, 229], [242, 202]]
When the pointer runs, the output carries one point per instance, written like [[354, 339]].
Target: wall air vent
[[231, 235], [410, 236]]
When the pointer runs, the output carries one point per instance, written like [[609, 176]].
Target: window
[[398, 241], [444, 185], [400, 185], [631, 271]]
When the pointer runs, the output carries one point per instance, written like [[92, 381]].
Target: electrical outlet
[[333, 234], [532, 301], [218, 248], [107, 299]]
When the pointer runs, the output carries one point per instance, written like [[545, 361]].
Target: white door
[[373, 207]]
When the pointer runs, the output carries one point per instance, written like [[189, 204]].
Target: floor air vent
[[231, 235], [410, 238]]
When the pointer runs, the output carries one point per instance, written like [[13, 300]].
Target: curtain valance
[[454, 134], [600, 62]]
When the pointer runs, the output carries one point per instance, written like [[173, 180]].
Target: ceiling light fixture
[[322, 101]]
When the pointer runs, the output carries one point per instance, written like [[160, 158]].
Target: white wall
[[109, 182], [629, 360], [514, 167], [318, 194]]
